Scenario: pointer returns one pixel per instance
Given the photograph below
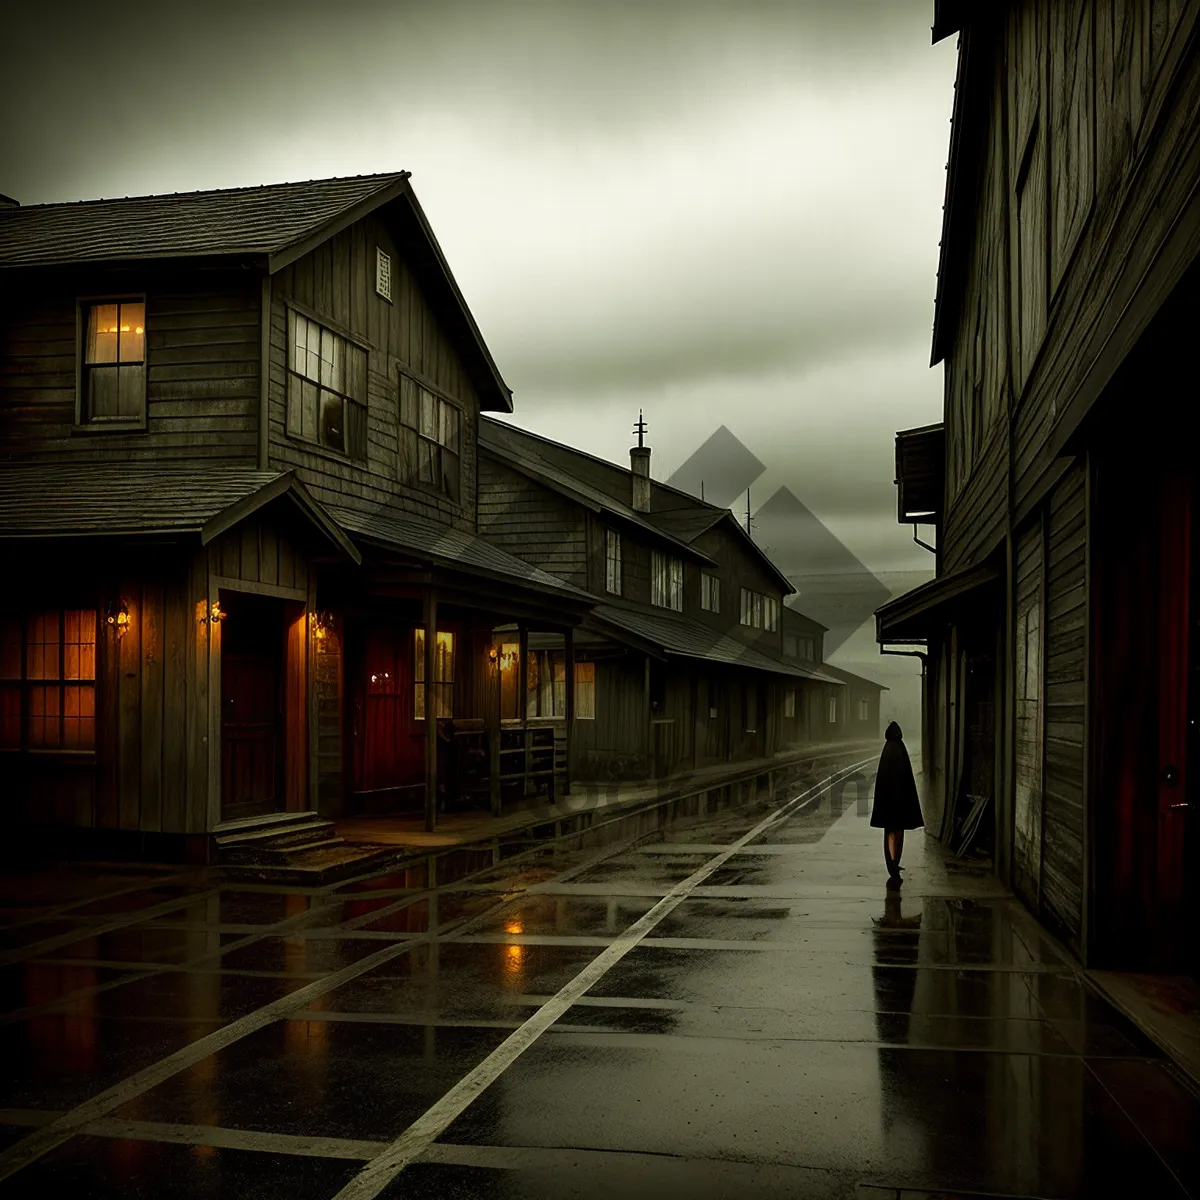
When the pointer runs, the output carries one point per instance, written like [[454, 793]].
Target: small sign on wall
[[383, 274]]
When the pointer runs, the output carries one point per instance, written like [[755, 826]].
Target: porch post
[[492, 702], [431, 738], [569, 643]]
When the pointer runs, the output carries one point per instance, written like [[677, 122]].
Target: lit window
[[327, 388], [113, 377], [710, 593], [443, 674], [48, 681], [429, 440], [546, 684], [585, 691], [612, 562]]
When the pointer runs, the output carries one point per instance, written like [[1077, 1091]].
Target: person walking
[[897, 806]]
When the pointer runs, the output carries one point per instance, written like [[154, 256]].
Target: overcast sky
[[722, 213]]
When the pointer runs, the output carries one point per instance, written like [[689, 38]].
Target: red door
[[252, 706], [1143, 600]]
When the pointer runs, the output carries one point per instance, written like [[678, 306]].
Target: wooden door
[[252, 706], [1144, 598], [388, 755]]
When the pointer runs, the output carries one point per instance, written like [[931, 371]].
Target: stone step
[[276, 834]]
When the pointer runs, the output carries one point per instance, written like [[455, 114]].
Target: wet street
[[729, 1005]]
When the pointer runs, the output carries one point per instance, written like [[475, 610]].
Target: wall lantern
[[214, 615], [492, 654], [322, 624], [118, 617]]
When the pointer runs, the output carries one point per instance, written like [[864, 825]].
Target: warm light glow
[[217, 613], [515, 955]]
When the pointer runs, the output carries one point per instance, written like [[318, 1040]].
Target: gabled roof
[[94, 499], [674, 635], [520, 452], [673, 514], [849, 677], [428, 541], [274, 224], [267, 220]]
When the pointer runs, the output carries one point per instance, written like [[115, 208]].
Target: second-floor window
[[113, 370], [710, 593], [771, 614], [666, 581], [799, 647], [327, 387], [612, 562], [752, 609], [429, 440]]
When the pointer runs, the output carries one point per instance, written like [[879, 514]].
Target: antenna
[[640, 428], [702, 489], [749, 522]]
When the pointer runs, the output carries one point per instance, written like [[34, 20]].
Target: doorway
[[253, 658], [1145, 588]]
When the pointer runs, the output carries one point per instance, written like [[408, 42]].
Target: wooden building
[[682, 658], [1057, 695], [238, 496]]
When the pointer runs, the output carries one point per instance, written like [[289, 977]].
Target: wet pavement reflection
[[789, 1028]]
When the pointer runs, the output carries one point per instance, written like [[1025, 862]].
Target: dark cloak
[[896, 803]]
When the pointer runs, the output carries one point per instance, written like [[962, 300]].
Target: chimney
[[639, 469]]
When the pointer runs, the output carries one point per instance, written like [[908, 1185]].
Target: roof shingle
[[249, 220]]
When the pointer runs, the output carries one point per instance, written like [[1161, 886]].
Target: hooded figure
[[897, 806]]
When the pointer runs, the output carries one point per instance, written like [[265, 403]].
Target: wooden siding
[[1123, 158], [975, 522], [738, 568], [1028, 743], [1065, 702], [202, 360], [613, 745], [535, 524], [336, 281]]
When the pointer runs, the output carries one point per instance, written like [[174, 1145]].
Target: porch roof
[[427, 541], [124, 499], [676, 636], [916, 614]]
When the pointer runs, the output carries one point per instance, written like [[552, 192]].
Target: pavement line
[[59, 911], [49, 1137], [416, 1140], [49, 945]]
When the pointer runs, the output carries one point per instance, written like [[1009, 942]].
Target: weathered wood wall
[[337, 281], [534, 523], [738, 567], [1065, 702], [202, 356], [614, 745], [1028, 744]]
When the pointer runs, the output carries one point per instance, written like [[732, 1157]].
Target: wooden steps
[[274, 839]]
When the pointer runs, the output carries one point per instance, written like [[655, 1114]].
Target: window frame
[[24, 685], [83, 423], [543, 684], [410, 437], [789, 703], [752, 609], [864, 709], [710, 592], [443, 688], [832, 708], [316, 445], [666, 580], [770, 614], [612, 562]]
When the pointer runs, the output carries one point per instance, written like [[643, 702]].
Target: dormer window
[[327, 387], [112, 382]]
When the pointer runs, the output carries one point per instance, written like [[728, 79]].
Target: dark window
[[612, 561], [710, 593], [48, 681], [429, 440], [113, 376], [327, 387], [666, 581]]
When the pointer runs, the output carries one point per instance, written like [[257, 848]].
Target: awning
[[927, 609], [674, 636]]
